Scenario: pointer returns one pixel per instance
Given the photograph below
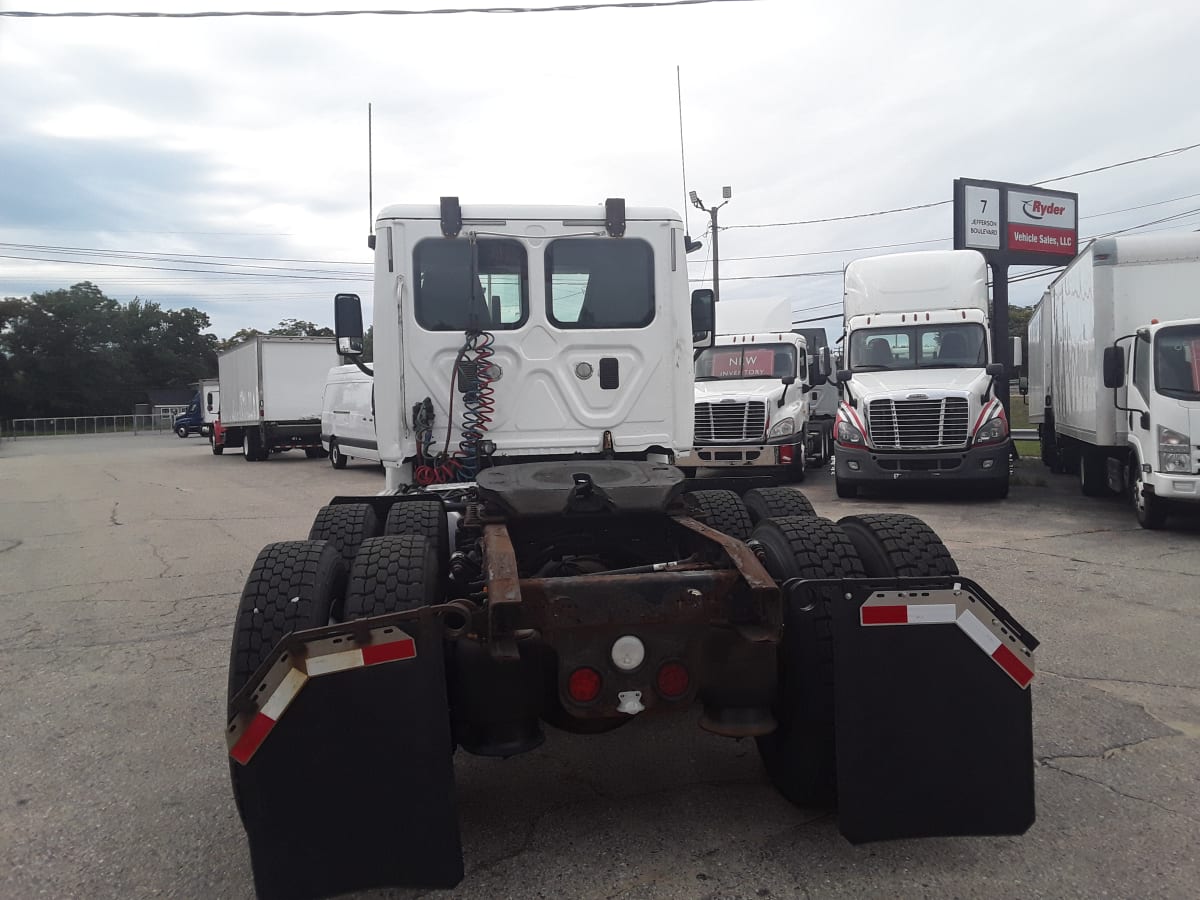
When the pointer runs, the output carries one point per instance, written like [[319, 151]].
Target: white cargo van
[[348, 416]]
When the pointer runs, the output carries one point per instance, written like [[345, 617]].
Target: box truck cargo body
[[1118, 334], [271, 388]]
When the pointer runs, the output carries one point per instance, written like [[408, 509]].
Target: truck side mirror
[[1023, 386], [1114, 367], [821, 367], [347, 324], [704, 318], [996, 370], [788, 380], [843, 376]]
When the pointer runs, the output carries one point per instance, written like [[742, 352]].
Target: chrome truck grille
[[918, 424], [719, 422]]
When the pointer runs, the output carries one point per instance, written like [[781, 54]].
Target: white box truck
[[752, 403], [1118, 334], [271, 388], [919, 400]]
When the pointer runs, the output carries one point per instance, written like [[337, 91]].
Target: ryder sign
[[1015, 224]]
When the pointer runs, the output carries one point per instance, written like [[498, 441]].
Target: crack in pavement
[[1108, 787], [1075, 559], [112, 516], [119, 642], [12, 543], [1116, 749], [1096, 678]]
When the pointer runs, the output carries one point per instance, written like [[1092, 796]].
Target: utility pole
[[726, 193]]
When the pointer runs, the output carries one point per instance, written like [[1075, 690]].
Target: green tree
[[300, 328], [77, 352]]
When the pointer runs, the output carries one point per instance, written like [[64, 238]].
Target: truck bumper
[[1174, 487], [978, 464], [742, 455]]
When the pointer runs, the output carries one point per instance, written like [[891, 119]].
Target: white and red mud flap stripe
[[989, 633], [291, 672]]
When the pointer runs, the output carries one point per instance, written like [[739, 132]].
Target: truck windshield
[[746, 361], [1177, 362], [918, 347]]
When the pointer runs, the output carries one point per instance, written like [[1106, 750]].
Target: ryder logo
[[1036, 209]]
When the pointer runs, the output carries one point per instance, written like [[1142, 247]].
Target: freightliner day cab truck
[[537, 563], [919, 390], [1114, 380], [271, 389], [752, 393]]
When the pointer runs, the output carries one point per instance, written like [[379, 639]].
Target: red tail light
[[583, 685], [673, 679]]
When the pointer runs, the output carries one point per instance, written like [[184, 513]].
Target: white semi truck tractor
[[1114, 380], [538, 564], [752, 394], [919, 384]]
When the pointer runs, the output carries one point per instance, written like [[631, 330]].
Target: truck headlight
[[782, 428], [848, 434], [1174, 451], [992, 431]]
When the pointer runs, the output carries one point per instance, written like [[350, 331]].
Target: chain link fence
[[141, 423]]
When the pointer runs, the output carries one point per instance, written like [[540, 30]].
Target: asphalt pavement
[[121, 562]]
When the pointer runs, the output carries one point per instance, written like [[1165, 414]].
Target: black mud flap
[[933, 728], [351, 784]]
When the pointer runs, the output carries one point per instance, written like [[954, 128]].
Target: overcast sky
[[181, 140]]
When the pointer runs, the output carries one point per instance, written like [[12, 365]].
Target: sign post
[[1013, 225]]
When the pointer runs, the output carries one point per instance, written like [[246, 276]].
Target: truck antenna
[[370, 184], [687, 226]]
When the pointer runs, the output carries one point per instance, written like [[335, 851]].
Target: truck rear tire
[[308, 572], [424, 517], [722, 510], [252, 450], [1150, 510], [768, 503], [217, 449], [393, 573], [895, 544], [335, 455], [292, 586], [1093, 481], [799, 755], [344, 526]]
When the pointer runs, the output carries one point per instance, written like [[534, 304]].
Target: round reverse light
[[583, 371], [628, 653]]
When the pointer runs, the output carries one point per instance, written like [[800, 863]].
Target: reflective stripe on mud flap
[[989, 633], [289, 674]]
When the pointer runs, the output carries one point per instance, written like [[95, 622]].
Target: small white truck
[[919, 387], [270, 389], [752, 403], [1114, 381]]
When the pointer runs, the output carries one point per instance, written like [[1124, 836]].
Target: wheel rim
[[246, 447], [335, 455]]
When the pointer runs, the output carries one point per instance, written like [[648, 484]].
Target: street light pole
[[726, 193]]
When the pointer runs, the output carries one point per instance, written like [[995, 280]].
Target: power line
[[168, 253], [88, 262], [326, 13], [899, 209]]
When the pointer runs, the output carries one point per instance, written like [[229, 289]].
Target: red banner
[[1041, 239]]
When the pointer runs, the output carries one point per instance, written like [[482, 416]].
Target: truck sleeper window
[[918, 347], [600, 283], [746, 361], [444, 298]]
